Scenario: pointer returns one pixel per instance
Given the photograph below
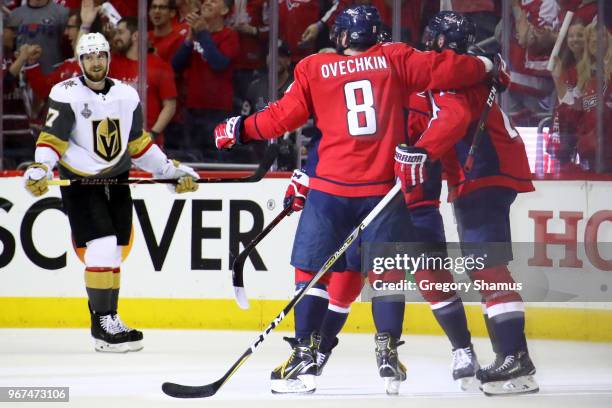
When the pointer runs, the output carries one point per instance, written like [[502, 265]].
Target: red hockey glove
[[296, 193], [227, 133], [410, 166]]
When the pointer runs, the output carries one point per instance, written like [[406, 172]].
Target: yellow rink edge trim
[[224, 314]]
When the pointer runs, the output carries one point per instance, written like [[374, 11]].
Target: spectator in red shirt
[[566, 114], [161, 89], [165, 37], [205, 61]]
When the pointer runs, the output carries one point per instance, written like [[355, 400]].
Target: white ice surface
[[570, 374]]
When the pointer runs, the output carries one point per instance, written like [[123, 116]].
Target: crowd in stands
[[207, 60]]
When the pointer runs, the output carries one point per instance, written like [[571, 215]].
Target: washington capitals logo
[[86, 112]]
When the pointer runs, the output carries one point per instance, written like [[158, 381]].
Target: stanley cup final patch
[[86, 112]]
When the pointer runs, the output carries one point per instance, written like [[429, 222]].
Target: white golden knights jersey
[[94, 133]]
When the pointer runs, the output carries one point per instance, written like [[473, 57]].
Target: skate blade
[[520, 385], [392, 385], [304, 384], [104, 347], [135, 346], [468, 384]]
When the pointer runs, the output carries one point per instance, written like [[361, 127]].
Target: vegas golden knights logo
[[107, 138]]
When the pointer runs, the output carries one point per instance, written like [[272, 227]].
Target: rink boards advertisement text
[[177, 273]]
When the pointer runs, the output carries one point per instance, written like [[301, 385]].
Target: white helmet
[[92, 42]]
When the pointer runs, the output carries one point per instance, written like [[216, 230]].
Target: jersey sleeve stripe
[[58, 145], [139, 146]]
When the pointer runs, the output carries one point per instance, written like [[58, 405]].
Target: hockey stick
[[202, 391], [469, 162], [269, 158], [238, 265]]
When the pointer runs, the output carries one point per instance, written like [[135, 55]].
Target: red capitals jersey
[[500, 158], [160, 81], [357, 103], [41, 84]]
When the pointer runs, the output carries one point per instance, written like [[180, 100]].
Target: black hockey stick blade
[[208, 390], [238, 265], [265, 164], [189, 391]]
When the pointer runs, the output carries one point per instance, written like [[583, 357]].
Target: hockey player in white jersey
[[94, 128]]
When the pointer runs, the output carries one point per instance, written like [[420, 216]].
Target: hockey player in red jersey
[[356, 97], [481, 199]]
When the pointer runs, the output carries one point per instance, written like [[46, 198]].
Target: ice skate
[[389, 366], [134, 336], [298, 373], [465, 365], [107, 336], [512, 375]]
